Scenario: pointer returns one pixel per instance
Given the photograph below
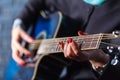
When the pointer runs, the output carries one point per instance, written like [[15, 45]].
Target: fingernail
[[33, 39], [80, 32], [70, 40], [60, 43], [23, 64], [28, 54]]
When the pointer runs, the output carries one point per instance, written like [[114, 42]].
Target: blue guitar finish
[[44, 28], [47, 27]]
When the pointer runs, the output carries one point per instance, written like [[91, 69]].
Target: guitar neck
[[47, 46]]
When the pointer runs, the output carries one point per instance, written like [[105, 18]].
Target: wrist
[[99, 69], [99, 60], [99, 66]]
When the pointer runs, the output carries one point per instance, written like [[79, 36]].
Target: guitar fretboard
[[47, 46]]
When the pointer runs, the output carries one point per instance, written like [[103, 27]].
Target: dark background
[[9, 9]]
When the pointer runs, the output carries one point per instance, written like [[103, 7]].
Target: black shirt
[[92, 19], [78, 15]]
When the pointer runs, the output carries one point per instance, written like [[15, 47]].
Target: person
[[88, 16]]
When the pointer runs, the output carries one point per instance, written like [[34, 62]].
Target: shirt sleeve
[[18, 23], [30, 11]]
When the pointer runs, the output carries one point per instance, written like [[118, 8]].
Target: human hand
[[71, 49], [19, 34]]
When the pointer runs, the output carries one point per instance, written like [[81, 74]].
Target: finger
[[69, 52], [26, 37], [16, 56], [20, 48], [66, 53], [79, 56], [75, 48], [16, 38], [66, 48]]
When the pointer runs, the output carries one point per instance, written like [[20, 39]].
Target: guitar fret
[[52, 45], [94, 39], [91, 43], [58, 48]]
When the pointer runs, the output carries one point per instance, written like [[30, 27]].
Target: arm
[[97, 58]]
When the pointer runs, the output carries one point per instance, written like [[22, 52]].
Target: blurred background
[[9, 9]]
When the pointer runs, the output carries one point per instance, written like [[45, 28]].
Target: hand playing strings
[[19, 34]]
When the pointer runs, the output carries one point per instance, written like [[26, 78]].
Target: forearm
[[99, 60]]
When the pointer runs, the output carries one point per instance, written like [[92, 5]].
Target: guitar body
[[48, 67], [52, 66], [46, 64], [44, 28]]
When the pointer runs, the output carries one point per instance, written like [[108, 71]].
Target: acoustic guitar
[[46, 56], [45, 27]]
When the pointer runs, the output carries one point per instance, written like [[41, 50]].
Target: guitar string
[[107, 36], [88, 36], [104, 37]]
